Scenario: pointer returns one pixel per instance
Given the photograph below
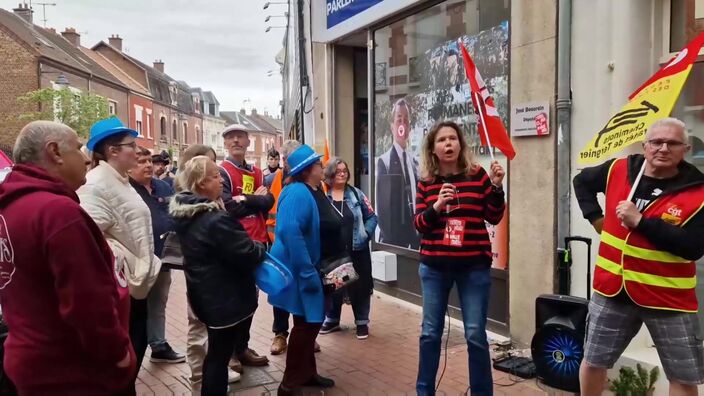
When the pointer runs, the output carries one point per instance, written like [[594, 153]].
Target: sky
[[217, 45]]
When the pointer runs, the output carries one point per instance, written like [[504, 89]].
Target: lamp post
[[268, 3], [268, 28], [268, 18]]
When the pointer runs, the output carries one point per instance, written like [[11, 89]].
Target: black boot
[[320, 382], [284, 391]]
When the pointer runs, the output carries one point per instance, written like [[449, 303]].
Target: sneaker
[[362, 332], [330, 328], [233, 376], [165, 354], [279, 345]]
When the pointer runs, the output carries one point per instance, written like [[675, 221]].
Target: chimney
[[116, 41], [159, 65], [243, 111], [52, 30], [72, 36], [23, 11], [254, 111]]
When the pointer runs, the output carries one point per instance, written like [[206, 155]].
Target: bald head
[[54, 147], [32, 142]]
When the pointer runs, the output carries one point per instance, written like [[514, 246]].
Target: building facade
[[578, 60], [34, 58]]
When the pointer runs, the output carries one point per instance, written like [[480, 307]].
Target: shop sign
[[339, 11]]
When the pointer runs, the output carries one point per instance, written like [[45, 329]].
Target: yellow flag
[[652, 101]]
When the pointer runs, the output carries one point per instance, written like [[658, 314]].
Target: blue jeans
[[360, 302], [473, 287], [156, 301]]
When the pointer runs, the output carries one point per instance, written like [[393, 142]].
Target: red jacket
[[67, 313]]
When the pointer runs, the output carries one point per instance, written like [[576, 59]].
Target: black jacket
[[220, 260], [682, 241], [395, 202]]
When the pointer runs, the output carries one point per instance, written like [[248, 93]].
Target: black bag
[[338, 272], [172, 257]]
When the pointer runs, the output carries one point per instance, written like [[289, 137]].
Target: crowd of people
[[84, 290]]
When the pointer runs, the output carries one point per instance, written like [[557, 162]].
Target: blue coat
[[297, 245]]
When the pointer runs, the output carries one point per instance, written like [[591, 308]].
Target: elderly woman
[[455, 198], [359, 223], [220, 260], [124, 219], [307, 231]]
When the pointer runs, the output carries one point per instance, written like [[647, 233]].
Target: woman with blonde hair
[[220, 261], [197, 342], [454, 200]]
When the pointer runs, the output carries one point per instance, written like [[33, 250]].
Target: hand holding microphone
[[446, 194]]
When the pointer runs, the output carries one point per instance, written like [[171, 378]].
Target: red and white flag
[[493, 133]]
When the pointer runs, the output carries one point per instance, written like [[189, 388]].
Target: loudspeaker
[[557, 347]]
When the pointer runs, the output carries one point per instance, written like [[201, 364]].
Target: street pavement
[[384, 364]]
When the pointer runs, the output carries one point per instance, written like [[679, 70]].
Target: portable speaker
[[557, 347]]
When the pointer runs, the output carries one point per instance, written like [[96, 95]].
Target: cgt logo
[[7, 255], [672, 215], [674, 211]]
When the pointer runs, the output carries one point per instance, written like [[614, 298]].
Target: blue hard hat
[[301, 158], [106, 128], [272, 276]]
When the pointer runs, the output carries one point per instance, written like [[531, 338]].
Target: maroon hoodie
[[66, 309]]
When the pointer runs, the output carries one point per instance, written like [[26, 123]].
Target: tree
[[78, 110]]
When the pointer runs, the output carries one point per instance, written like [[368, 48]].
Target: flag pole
[[481, 117], [637, 181]]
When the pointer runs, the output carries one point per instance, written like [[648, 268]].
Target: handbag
[[172, 257], [338, 272]]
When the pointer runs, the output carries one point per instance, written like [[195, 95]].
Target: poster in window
[[403, 118]]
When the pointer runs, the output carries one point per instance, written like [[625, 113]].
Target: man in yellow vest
[[645, 271]]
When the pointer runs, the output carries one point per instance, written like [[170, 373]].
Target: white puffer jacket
[[126, 223]]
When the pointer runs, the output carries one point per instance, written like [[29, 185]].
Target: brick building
[[35, 58], [176, 118]]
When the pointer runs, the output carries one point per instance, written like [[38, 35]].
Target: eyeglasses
[[131, 144], [671, 144], [341, 171]]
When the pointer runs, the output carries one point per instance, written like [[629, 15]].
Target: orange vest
[[275, 190], [245, 182], [627, 259]]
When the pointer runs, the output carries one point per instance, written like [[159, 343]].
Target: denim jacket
[[364, 217]]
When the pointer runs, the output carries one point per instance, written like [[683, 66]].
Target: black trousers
[[242, 336], [138, 335], [221, 344]]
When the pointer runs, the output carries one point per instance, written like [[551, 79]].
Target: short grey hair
[[331, 169], [669, 122], [33, 138], [288, 147]]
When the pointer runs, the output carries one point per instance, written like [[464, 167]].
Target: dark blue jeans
[[473, 287], [360, 301]]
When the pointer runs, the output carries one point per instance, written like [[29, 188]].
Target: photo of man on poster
[[396, 178]]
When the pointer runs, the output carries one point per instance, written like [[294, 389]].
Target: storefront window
[[686, 22], [420, 80]]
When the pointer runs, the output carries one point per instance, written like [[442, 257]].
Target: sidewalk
[[384, 364]]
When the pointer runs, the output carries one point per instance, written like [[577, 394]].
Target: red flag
[[680, 62], [494, 128]]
